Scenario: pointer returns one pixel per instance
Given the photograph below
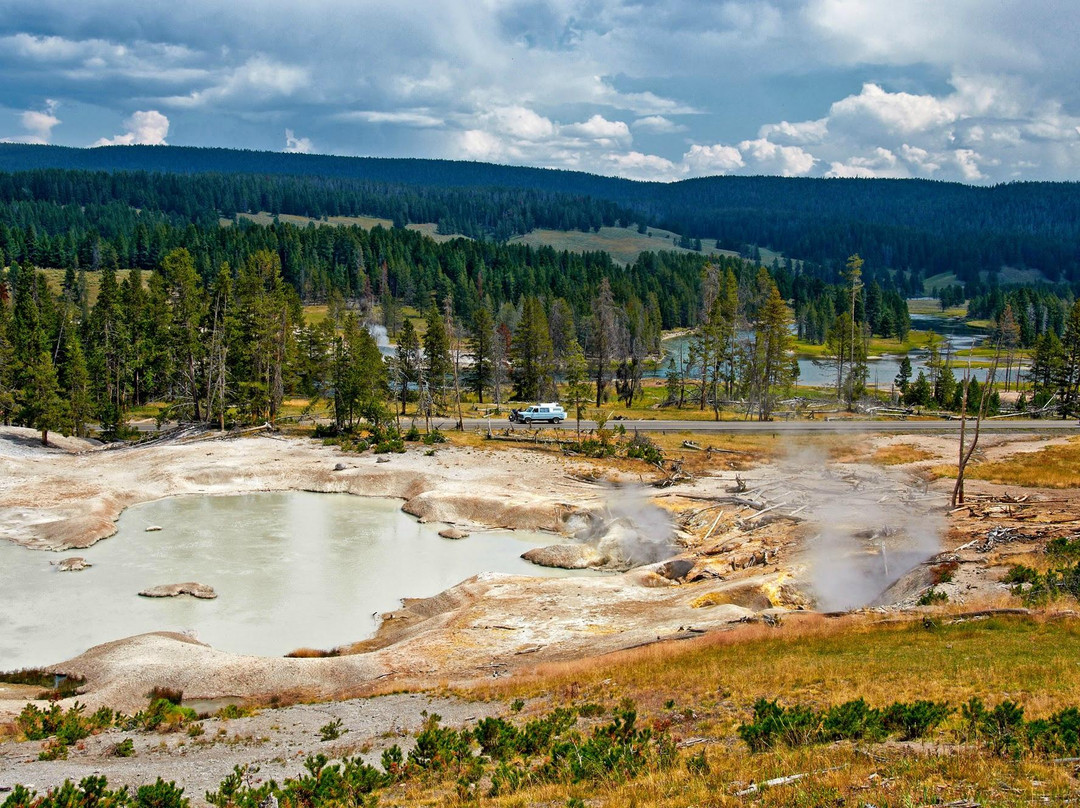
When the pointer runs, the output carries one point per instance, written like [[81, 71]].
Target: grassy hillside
[[624, 244]]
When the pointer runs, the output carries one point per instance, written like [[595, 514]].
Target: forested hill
[[915, 226]]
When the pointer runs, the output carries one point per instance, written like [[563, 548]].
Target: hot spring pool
[[290, 570]]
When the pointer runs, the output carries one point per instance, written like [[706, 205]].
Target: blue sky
[[978, 91]]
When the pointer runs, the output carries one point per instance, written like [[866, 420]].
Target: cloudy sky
[[979, 91]]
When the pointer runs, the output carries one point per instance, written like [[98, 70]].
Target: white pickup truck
[[551, 412]]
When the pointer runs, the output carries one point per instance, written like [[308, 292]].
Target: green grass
[[878, 345], [55, 278], [623, 244], [429, 229], [933, 307]]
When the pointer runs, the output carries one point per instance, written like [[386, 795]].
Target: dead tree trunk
[[967, 452]]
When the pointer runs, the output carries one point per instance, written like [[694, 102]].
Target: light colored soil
[[743, 567], [276, 741]]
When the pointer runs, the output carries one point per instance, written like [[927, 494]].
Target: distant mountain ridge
[[919, 227]]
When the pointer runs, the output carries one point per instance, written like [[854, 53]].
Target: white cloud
[[920, 159], [412, 118], [637, 166], [882, 163], [600, 129], [38, 125], [145, 128], [476, 144], [897, 112], [521, 122], [658, 125], [718, 159], [802, 132], [768, 158], [968, 162], [297, 145], [257, 80], [567, 83]]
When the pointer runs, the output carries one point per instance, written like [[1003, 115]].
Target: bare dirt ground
[[749, 546]]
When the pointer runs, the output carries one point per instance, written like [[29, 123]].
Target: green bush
[[331, 731], [68, 726], [774, 724], [853, 720], [1064, 547], [931, 597], [433, 437], [439, 747], [915, 719], [642, 447], [126, 748], [92, 792]]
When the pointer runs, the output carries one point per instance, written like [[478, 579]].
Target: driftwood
[[780, 781]]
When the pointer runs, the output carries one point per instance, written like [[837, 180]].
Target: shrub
[[331, 731], [434, 436], [1064, 547], [68, 726], [698, 764], [393, 762], [162, 715], [931, 597], [439, 747], [943, 573], [853, 720], [591, 709], [1021, 574], [231, 711], [126, 748], [915, 719], [413, 434], [642, 447], [171, 695]]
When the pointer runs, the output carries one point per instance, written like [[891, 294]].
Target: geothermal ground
[[767, 533]]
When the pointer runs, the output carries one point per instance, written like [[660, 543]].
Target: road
[[795, 427], [844, 425]]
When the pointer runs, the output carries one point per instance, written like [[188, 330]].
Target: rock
[[676, 569], [383, 459], [566, 556], [453, 533], [196, 590], [340, 467], [73, 564], [153, 528]]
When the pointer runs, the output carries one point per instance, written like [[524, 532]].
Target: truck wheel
[[558, 420]]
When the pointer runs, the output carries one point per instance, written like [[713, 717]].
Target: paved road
[[845, 425], [996, 425]]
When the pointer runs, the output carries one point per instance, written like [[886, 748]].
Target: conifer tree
[[481, 347]]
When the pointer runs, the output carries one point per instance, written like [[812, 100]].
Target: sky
[[975, 91]]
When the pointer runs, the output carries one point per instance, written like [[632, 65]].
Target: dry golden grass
[[705, 690], [1051, 467], [309, 653], [836, 776], [900, 454], [811, 659]]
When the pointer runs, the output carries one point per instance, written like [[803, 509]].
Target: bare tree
[[966, 451]]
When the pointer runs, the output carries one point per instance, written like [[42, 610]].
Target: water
[[290, 570], [882, 369]]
